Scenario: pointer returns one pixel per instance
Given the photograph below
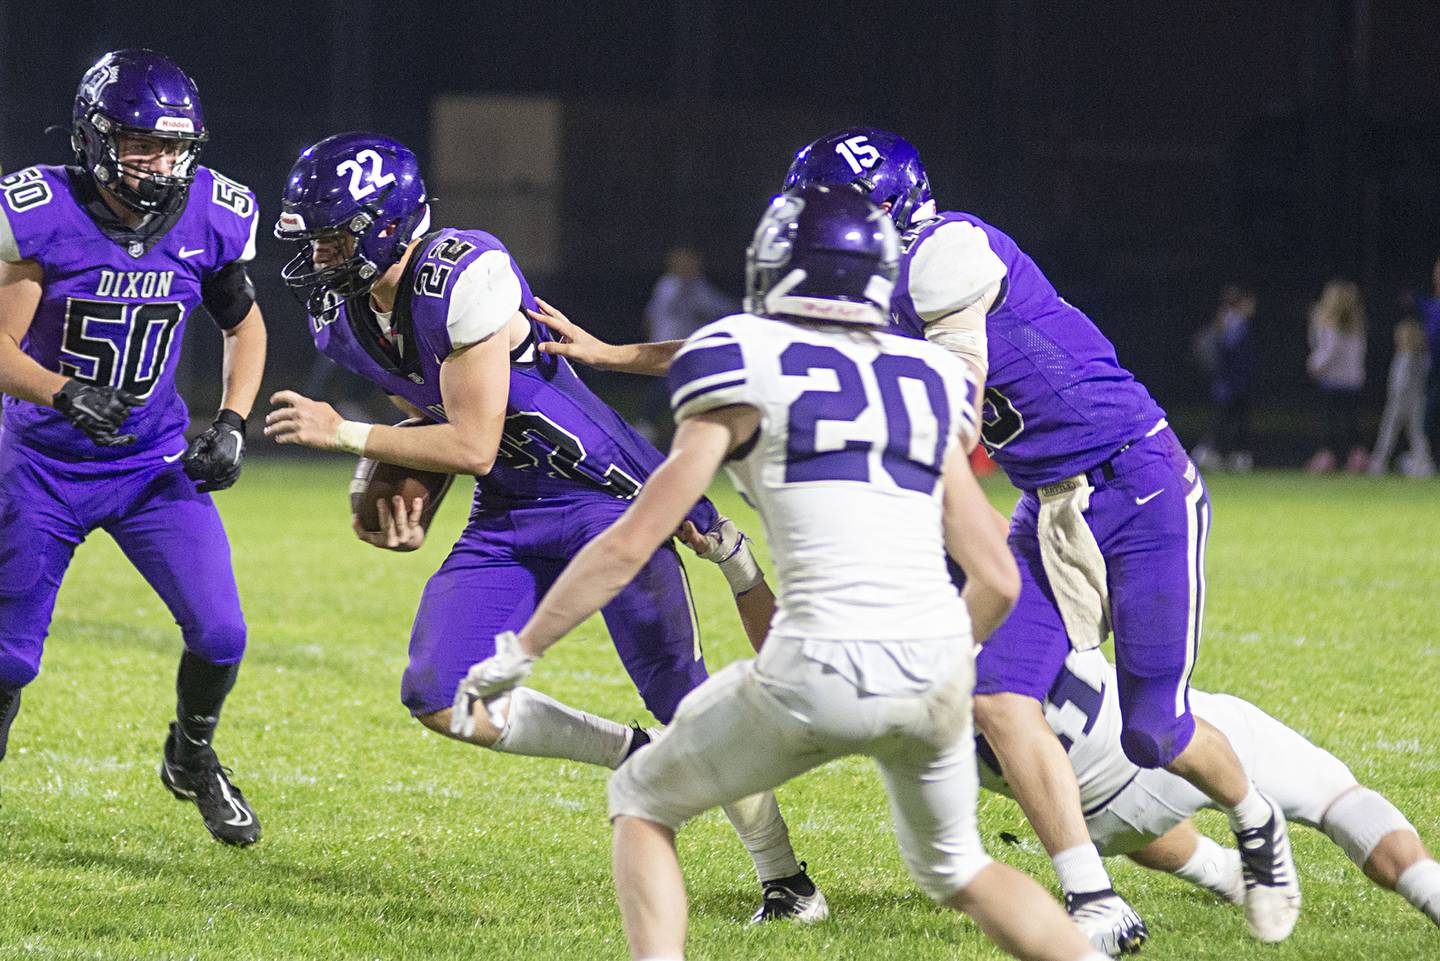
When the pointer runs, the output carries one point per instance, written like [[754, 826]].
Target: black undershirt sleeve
[[228, 294]]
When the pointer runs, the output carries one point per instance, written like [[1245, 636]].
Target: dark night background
[[1144, 153]]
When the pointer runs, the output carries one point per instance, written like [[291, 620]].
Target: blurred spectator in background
[[683, 301], [1224, 349], [1405, 397], [1430, 319], [1337, 365]]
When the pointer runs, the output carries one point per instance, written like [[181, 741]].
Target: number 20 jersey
[[113, 312], [845, 469]]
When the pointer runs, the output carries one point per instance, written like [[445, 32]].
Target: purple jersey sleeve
[[1057, 401]]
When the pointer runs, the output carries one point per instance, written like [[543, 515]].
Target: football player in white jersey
[[1144, 813], [820, 416]]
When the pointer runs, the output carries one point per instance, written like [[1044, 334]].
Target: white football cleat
[[1272, 888], [1108, 921]]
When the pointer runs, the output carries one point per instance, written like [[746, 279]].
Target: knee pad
[[942, 878], [220, 643], [1359, 819], [1153, 746], [16, 672], [630, 796]]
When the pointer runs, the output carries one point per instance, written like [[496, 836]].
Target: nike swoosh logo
[[174, 457], [186, 254], [1142, 501], [241, 816]]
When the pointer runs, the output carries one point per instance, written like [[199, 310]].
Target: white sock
[[1215, 868], [762, 830], [1420, 885], [1252, 812], [540, 726], [1080, 869]]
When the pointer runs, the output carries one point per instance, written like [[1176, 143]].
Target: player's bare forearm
[[244, 363], [977, 543], [20, 375], [609, 562], [577, 344], [449, 448], [757, 610]]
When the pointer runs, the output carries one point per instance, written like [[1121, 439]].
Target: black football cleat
[[795, 897], [201, 779]]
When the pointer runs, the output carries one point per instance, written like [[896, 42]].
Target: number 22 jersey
[[114, 301], [559, 442]]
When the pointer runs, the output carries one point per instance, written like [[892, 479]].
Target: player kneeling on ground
[[820, 417], [435, 318], [1145, 813]]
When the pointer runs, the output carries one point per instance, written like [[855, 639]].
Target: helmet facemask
[[97, 142]]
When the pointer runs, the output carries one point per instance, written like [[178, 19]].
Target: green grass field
[[384, 841]]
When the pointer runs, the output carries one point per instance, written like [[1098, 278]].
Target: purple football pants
[[170, 533], [1150, 516], [504, 563]]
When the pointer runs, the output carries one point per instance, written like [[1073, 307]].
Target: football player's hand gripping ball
[[495, 675], [97, 410], [213, 459]]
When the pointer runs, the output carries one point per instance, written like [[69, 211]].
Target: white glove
[[498, 673], [730, 548]]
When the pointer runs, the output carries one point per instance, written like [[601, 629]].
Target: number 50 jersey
[[844, 470], [114, 302]]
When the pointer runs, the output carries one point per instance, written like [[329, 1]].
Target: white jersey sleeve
[[951, 268], [9, 249], [709, 372], [485, 296]]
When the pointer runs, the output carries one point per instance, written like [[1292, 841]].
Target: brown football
[[373, 482]]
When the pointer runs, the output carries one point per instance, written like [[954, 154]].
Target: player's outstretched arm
[[20, 375], [474, 383], [977, 543], [583, 347]]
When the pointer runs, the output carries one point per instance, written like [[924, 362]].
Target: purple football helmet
[[361, 185], [882, 165], [140, 93], [823, 253]]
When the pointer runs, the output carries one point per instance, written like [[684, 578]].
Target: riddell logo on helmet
[[175, 124], [835, 308], [289, 221]]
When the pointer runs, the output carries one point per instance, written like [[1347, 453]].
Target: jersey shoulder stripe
[[708, 372]]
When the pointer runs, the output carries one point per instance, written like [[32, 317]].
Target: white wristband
[[730, 551], [351, 437]]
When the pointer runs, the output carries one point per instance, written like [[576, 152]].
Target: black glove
[[213, 459], [98, 411]]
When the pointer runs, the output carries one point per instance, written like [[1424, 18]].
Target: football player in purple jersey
[[1110, 532], [435, 318], [101, 265]]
